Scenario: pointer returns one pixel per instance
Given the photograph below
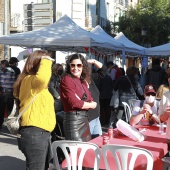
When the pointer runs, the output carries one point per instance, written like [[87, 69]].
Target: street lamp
[[144, 33]]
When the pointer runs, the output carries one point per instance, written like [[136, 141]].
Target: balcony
[[14, 24], [94, 20]]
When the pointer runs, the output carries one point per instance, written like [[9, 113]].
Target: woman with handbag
[[127, 87], [76, 99], [38, 120]]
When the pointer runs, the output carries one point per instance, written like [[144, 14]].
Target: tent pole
[[123, 59]]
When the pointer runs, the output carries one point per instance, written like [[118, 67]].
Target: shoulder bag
[[13, 123], [132, 88]]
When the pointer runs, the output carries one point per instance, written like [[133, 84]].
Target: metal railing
[[15, 18], [93, 20]]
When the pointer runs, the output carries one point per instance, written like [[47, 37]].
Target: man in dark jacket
[[13, 62], [7, 79], [155, 75]]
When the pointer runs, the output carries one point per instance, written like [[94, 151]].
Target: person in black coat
[[13, 62], [127, 88], [94, 114], [57, 71]]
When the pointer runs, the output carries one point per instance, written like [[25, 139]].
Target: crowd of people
[[85, 93]]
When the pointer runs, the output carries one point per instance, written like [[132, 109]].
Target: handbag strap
[[131, 84], [20, 114]]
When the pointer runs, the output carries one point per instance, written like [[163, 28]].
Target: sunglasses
[[76, 65], [150, 94]]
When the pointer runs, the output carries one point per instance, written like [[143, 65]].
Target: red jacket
[[118, 71]]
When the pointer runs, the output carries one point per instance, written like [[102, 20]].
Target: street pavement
[[11, 158]]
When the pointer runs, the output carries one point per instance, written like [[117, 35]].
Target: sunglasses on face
[[76, 65], [150, 94]]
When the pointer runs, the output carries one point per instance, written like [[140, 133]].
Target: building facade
[[25, 15], [4, 26]]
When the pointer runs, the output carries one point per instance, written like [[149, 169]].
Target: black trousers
[[35, 143], [105, 111], [6, 101]]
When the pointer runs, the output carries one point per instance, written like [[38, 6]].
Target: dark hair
[[109, 63], [156, 62], [131, 71], [13, 60], [123, 71], [86, 69], [5, 62], [55, 68]]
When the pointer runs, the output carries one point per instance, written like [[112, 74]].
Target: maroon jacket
[[69, 88]]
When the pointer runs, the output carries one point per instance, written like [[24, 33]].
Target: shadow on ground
[[11, 163], [6, 137]]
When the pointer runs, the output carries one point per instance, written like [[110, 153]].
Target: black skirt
[[76, 126]]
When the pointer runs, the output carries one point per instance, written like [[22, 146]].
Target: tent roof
[[129, 45], [101, 33], [63, 35], [159, 50]]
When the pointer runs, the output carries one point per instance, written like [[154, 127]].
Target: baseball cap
[[13, 60], [150, 89]]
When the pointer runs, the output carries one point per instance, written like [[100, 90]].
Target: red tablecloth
[[154, 142]]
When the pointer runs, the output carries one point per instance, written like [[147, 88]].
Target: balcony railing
[[15, 18], [93, 20]]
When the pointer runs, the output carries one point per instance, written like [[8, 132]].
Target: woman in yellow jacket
[[39, 118]]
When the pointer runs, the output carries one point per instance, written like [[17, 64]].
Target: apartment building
[[4, 26]]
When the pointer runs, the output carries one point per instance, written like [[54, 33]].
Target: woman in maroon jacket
[[76, 99]]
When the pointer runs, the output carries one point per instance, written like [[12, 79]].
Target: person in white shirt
[[146, 113], [164, 111]]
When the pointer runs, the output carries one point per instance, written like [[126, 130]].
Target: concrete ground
[[11, 158]]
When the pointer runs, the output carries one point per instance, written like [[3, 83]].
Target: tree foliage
[[151, 15]]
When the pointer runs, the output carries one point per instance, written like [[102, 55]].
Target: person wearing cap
[[146, 112], [13, 62]]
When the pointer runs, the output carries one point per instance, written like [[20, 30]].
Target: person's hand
[[91, 61], [155, 118], [147, 108], [48, 58], [93, 104], [167, 110]]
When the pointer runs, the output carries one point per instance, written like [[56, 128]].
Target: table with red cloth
[[154, 142]]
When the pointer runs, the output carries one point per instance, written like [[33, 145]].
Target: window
[[107, 8], [45, 1], [87, 8], [1, 28]]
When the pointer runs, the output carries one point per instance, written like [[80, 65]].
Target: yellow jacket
[[41, 112]]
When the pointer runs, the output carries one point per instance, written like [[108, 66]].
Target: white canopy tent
[[163, 50], [129, 46], [103, 35], [63, 35]]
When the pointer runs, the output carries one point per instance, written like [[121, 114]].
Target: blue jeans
[[35, 143], [95, 126]]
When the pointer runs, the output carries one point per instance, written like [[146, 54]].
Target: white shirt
[[113, 73], [165, 101], [137, 109]]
